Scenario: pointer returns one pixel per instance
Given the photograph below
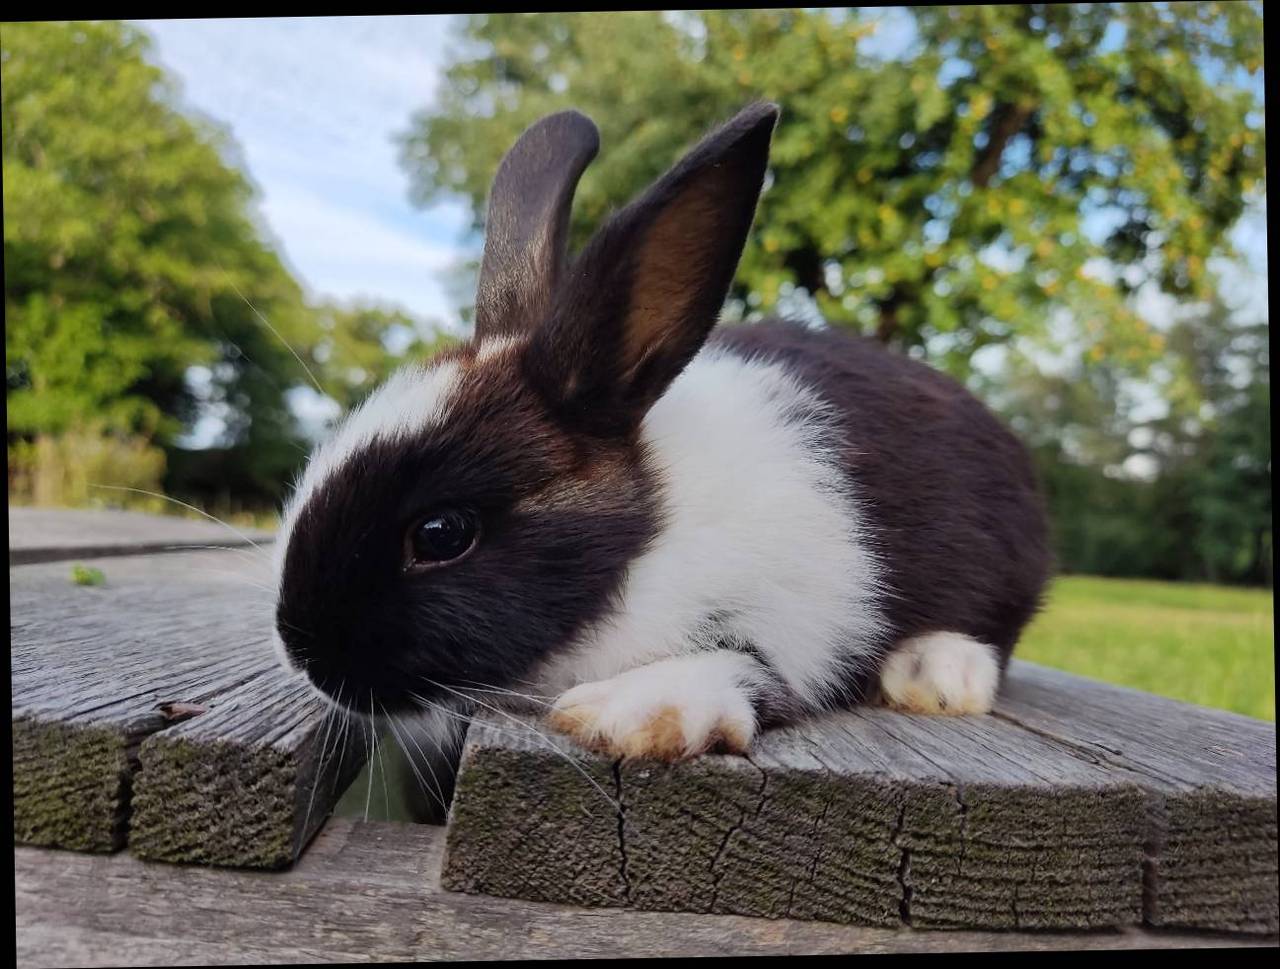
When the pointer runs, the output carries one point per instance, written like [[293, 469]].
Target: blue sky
[[314, 104]]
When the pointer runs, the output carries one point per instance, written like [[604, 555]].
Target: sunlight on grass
[[1206, 644]]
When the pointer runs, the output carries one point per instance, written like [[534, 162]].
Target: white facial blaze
[[413, 398]]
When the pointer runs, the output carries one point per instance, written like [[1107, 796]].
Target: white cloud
[[346, 251], [314, 104]]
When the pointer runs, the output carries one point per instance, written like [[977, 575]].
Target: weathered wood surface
[[55, 534], [370, 892], [153, 708], [1210, 846], [1077, 805]]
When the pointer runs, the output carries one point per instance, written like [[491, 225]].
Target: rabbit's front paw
[[657, 712], [943, 672]]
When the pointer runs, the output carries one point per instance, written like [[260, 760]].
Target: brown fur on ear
[[666, 275], [647, 289]]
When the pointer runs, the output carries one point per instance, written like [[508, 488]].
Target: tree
[[1177, 488], [360, 345], [1015, 160], [131, 253], [1219, 442]]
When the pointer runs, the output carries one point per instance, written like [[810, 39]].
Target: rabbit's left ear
[[527, 222], [640, 300]]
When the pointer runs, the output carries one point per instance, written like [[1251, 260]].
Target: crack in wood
[[815, 837], [622, 830], [1152, 848], [904, 867], [963, 810], [1086, 750], [717, 875]]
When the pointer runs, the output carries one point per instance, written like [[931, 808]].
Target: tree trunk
[[46, 472], [887, 328], [807, 266], [1006, 122]]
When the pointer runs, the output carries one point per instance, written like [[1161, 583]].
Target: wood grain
[[1210, 851], [1034, 818], [248, 783], [152, 710], [167, 668], [56, 534], [370, 892]]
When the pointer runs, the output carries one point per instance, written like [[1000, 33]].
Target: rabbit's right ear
[[527, 223]]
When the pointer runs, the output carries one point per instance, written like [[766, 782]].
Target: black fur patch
[[948, 493], [359, 625]]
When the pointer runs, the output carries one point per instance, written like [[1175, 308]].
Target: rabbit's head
[[481, 508]]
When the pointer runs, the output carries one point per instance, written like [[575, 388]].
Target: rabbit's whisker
[[435, 790], [540, 700], [274, 331], [324, 745], [213, 518], [547, 740]]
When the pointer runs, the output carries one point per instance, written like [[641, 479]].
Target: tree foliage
[[360, 345], [1166, 477], [966, 188], [133, 254], [131, 250]]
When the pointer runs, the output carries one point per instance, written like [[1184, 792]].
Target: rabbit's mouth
[[366, 696], [377, 690], [363, 689]]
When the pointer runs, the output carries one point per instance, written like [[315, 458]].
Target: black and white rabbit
[[680, 535]]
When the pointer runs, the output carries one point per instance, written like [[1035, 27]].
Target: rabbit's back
[[948, 493]]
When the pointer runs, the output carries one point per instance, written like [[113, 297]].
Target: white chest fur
[[761, 542]]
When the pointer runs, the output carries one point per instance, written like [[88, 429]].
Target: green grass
[[1207, 644]]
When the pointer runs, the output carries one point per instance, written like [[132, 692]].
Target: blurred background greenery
[[1037, 198]]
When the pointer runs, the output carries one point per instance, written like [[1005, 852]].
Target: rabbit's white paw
[[667, 710], [941, 672]]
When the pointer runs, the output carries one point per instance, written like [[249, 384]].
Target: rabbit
[[671, 535]]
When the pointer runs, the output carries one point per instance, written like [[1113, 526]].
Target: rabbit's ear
[[642, 297], [527, 221]]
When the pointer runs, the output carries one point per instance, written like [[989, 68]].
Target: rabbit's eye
[[442, 538]]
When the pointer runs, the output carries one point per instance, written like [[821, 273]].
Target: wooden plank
[[56, 534], [370, 892], [1211, 846], [868, 817], [248, 783], [168, 667], [533, 817], [879, 818]]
